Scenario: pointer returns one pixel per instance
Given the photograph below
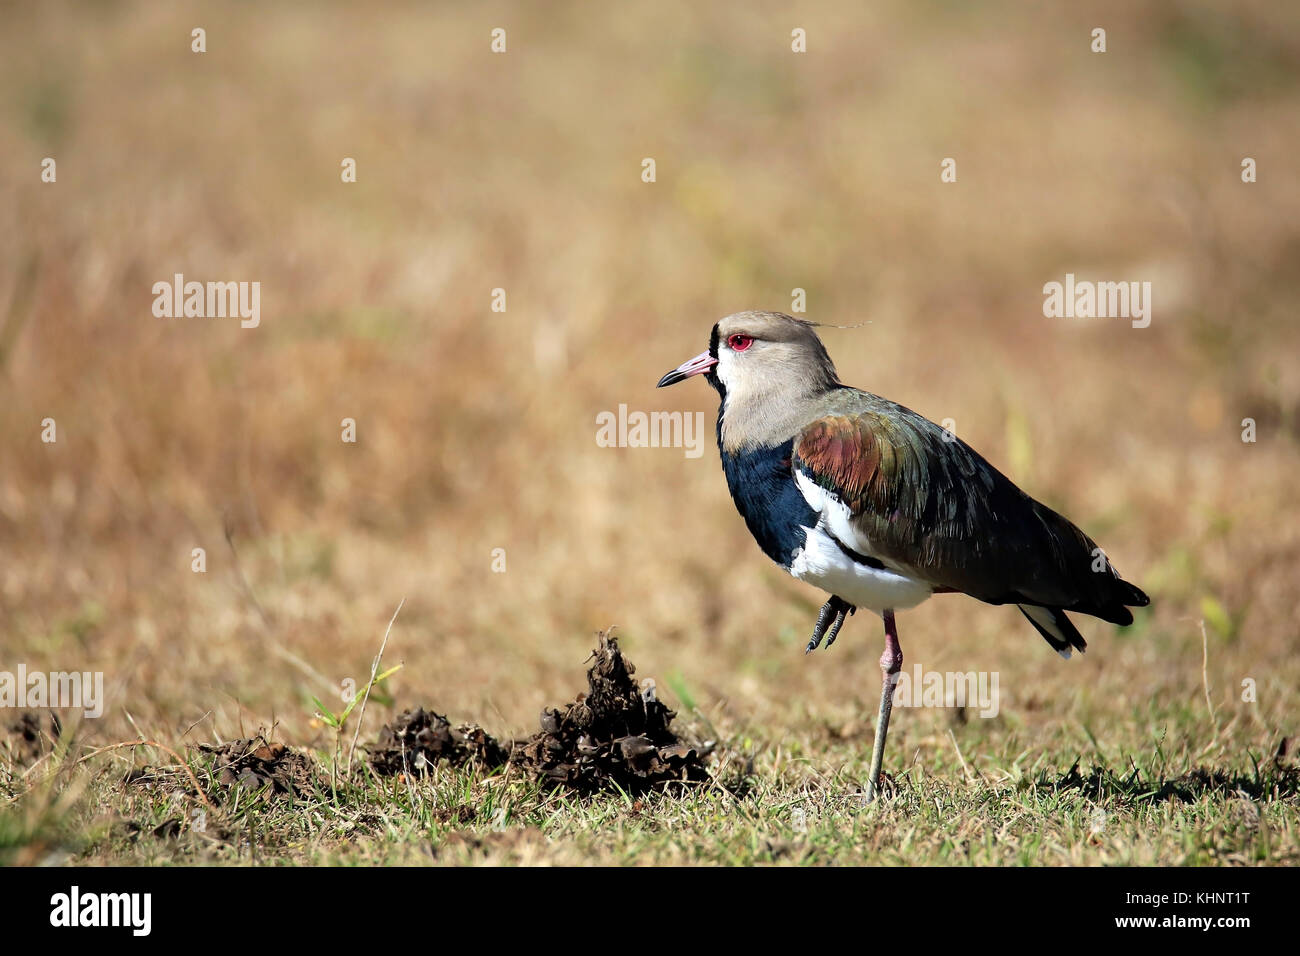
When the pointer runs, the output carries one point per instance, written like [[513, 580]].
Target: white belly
[[823, 563]]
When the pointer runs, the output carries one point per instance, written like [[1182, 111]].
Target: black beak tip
[[671, 378]]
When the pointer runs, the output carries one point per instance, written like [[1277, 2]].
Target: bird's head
[[761, 355]]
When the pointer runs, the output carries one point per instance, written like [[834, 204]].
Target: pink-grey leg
[[891, 663]]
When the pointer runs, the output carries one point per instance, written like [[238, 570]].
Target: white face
[[726, 368], [749, 364]]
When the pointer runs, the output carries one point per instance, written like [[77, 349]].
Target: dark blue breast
[[762, 485]]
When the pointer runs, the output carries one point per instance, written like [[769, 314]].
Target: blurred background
[[476, 429]]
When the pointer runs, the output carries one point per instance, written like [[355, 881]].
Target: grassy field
[[476, 492]]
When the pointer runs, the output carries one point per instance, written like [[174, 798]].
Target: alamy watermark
[[626, 429], [974, 689], [133, 911], [1084, 299], [82, 690], [210, 300]]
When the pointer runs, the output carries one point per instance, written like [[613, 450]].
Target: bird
[[880, 507]]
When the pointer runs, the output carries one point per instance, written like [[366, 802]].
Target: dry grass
[[476, 429]]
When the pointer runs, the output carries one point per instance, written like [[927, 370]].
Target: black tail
[[1059, 631], [1080, 583], [1114, 607]]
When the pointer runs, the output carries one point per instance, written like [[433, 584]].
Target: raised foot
[[832, 615]]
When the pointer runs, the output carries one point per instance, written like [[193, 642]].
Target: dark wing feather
[[925, 500]]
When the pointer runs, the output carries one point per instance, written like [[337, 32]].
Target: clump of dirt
[[26, 741], [616, 733], [254, 763], [417, 739]]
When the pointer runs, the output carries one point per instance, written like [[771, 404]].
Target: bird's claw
[[840, 618], [832, 616]]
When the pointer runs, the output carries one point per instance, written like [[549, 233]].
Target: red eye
[[738, 343]]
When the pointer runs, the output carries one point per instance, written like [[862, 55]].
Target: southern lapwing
[[880, 507]]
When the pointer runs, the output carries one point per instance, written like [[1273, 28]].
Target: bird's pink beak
[[696, 366]]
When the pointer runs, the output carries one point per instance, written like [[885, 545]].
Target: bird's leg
[[834, 611], [891, 662]]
